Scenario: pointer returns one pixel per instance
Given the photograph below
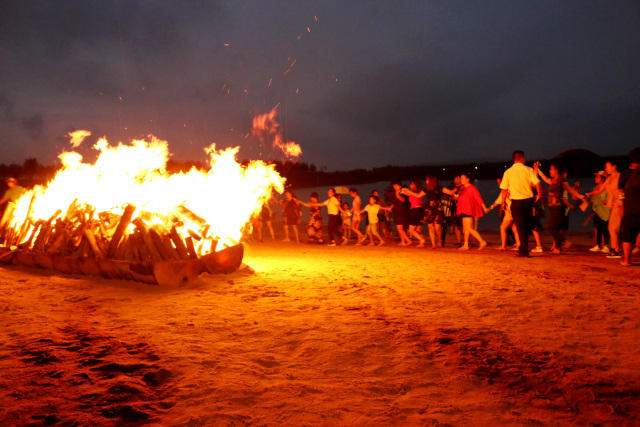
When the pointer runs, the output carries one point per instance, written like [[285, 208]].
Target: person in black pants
[[630, 185], [519, 181], [522, 211]]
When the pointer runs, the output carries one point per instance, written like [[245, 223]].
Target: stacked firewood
[[118, 246]]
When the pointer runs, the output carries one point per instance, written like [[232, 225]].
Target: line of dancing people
[[613, 202]]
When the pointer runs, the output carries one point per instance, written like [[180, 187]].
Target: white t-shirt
[[372, 211], [519, 180], [333, 206]]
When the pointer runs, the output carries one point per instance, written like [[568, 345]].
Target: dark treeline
[[579, 163]]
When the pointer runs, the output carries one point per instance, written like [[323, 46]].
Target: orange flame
[[224, 197], [77, 137], [266, 127]]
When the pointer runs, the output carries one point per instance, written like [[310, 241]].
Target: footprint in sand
[[267, 362]]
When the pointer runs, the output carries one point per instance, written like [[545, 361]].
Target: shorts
[[630, 228], [432, 216], [291, 220], [415, 216], [372, 228]]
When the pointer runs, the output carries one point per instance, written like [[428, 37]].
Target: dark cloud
[[33, 125], [374, 82], [6, 108]]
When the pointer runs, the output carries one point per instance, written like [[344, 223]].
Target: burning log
[[179, 244], [125, 219], [148, 242], [190, 248], [91, 238], [187, 213], [36, 228]]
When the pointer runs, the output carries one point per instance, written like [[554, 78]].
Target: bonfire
[[124, 216]]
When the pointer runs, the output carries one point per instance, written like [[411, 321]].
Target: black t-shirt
[[400, 207], [630, 183]]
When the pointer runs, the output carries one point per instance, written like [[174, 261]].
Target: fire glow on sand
[[126, 216]]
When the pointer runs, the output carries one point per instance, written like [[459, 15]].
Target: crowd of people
[[427, 209]]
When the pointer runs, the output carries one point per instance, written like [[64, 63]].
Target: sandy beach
[[316, 335]]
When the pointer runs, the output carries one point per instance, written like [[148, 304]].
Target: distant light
[[476, 168], [444, 169]]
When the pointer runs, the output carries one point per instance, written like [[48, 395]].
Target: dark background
[[374, 82]]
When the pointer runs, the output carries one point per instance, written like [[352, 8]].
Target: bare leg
[[536, 236], [467, 223], [414, 233], [286, 233], [614, 227], [432, 234], [273, 235], [468, 226], [503, 232], [376, 234], [295, 231], [404, 239], [626, 257], [438, 230], [515, 234], [355, 226]]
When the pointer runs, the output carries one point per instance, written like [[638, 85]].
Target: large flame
[[266, 127], [223, 198]]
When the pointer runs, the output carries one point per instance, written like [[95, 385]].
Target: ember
[[125, 216]]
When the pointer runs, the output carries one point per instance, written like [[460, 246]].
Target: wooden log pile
[[117, 246]]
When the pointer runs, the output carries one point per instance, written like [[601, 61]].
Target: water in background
[[488, 189]]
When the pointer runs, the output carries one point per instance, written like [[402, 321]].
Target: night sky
[[373, 82]]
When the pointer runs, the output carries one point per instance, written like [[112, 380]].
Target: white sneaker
[[537, 250], [596, 248], [605, 249]]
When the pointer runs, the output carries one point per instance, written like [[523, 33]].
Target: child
[[314, 226], [372, 210], [356, 208], [291, 214], [264, 219], [346, 221]]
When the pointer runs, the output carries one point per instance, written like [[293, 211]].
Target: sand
[[318, 335]]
